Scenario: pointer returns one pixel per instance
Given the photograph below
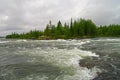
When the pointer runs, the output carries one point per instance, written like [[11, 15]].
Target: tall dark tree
[[47, 31], [71, 28]]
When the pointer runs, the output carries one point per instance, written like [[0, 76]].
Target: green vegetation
[[30, 35], [80, 28]]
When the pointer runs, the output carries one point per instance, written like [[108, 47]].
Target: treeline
[[80, 28], [30, 35], [112, 30]]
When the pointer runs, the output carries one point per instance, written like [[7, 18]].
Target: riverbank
[[80, 28]]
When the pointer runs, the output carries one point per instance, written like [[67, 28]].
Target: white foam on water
[[35, 77], [104, 39], [4, 41], [79, 42], [66, 59], [83, 74], [80, 74], [59, 56], [22, 40]]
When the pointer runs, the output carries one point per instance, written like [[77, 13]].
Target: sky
[[24, 15]]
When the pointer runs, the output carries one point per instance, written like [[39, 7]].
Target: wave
[[23, 40], [81, 74], [108, 39], [13, 41], [4, 41], [65, 59]]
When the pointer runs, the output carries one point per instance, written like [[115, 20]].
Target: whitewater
[[55, 59]]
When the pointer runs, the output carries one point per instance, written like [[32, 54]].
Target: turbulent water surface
[[86, 59]]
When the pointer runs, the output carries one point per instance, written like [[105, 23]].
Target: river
[[84, 59]]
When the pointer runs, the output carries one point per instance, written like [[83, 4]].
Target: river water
[[86, 59]]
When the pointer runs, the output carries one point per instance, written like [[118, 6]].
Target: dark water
[[109, 60], [87, 59]]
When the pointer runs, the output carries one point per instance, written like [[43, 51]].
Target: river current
[[84, 59]]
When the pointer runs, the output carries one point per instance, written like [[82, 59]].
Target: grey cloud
[[24, 15], [103, 11]]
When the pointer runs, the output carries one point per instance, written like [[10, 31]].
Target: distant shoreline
[[76, 29], [66, 39]]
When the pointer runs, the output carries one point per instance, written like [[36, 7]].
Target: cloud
[[103, 12], [24, 15]]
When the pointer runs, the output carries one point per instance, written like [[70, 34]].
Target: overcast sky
[[25, 15]]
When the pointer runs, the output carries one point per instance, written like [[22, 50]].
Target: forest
[[76, 29]]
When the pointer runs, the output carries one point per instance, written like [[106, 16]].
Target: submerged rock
[[88, 62]]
